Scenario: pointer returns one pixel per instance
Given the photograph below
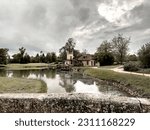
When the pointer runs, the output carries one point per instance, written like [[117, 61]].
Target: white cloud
[[114, 11], [87, 31], [47, 24]]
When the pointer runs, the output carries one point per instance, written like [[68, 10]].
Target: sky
[[46, 25]]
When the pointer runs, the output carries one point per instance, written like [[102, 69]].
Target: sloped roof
[[86, 57]]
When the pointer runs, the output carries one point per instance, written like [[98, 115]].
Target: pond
[[64, 82]]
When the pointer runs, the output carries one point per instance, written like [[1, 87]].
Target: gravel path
[[120, 70]]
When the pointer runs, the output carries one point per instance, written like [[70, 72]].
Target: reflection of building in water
[[67, 82]]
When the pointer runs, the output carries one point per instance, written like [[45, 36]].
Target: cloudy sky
[[47, 24]]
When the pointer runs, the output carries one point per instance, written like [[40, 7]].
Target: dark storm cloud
[[47, 24]]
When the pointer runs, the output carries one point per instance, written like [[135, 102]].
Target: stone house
[[87, 60]]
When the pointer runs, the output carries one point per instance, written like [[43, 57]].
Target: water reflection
[[67, 82], [62, 82]]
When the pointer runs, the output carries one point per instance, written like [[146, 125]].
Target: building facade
[[87, 60]]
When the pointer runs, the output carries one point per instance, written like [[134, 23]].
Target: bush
[[131, 66]]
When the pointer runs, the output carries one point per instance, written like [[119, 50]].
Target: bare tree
[[120, 47]]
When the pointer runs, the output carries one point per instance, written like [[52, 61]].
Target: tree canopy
[[3, 55], [144, 55], [120, 47]]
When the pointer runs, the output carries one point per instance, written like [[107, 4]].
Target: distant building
[[87, 60], [70, 57]]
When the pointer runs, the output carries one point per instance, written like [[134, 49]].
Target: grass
[[109, 67], [146, 71], [140, 82], [26, 66], [21, 85]]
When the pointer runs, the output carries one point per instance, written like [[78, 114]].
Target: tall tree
[[3, 55], [120, 45], [54, 58], [22, 52], [48, 58], [144, 55], [26, 58], [69, 46], [37, 58], [42, 57], [104, 54], [105, 47]]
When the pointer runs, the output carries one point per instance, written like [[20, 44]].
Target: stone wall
[[82, 103]]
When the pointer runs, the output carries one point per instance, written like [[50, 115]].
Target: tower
[[70, 56]]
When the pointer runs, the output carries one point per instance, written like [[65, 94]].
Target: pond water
[[64, 82]]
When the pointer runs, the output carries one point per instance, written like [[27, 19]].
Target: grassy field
[[140, 82], [26, 66], [21, 85], [109, 67]]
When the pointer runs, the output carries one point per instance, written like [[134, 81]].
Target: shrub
[[131, 66]]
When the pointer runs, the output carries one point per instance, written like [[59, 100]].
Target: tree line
[[116, 51], [109, 52], [23, 57]]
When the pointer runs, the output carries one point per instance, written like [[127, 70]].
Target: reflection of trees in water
[[50, 74], [20, 73], [3, 73], [37, 73], [67, 82]]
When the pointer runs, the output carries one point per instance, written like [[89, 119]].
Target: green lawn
[[146, 71], [140, 82], [26, 66], [21, 85], [109, 66]]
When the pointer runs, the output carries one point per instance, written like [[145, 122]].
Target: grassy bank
[[26, 66], [21, 85], [139, 82]]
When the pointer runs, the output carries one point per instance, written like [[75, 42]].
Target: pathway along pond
[[65, 82]]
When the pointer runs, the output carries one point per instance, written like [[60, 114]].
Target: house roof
[[86, 57]]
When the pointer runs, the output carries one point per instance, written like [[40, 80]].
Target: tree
[[69, 46], [104, 58], [132, 57], [22, 52], [37, 58], [42, 57], [104, 54], [54, 58], [77, 54], [120, 46], [26, 58], [21, 57], [62, 56], [3, 55], [48, 58], [16, 58], [105, 47], [144, 55]]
